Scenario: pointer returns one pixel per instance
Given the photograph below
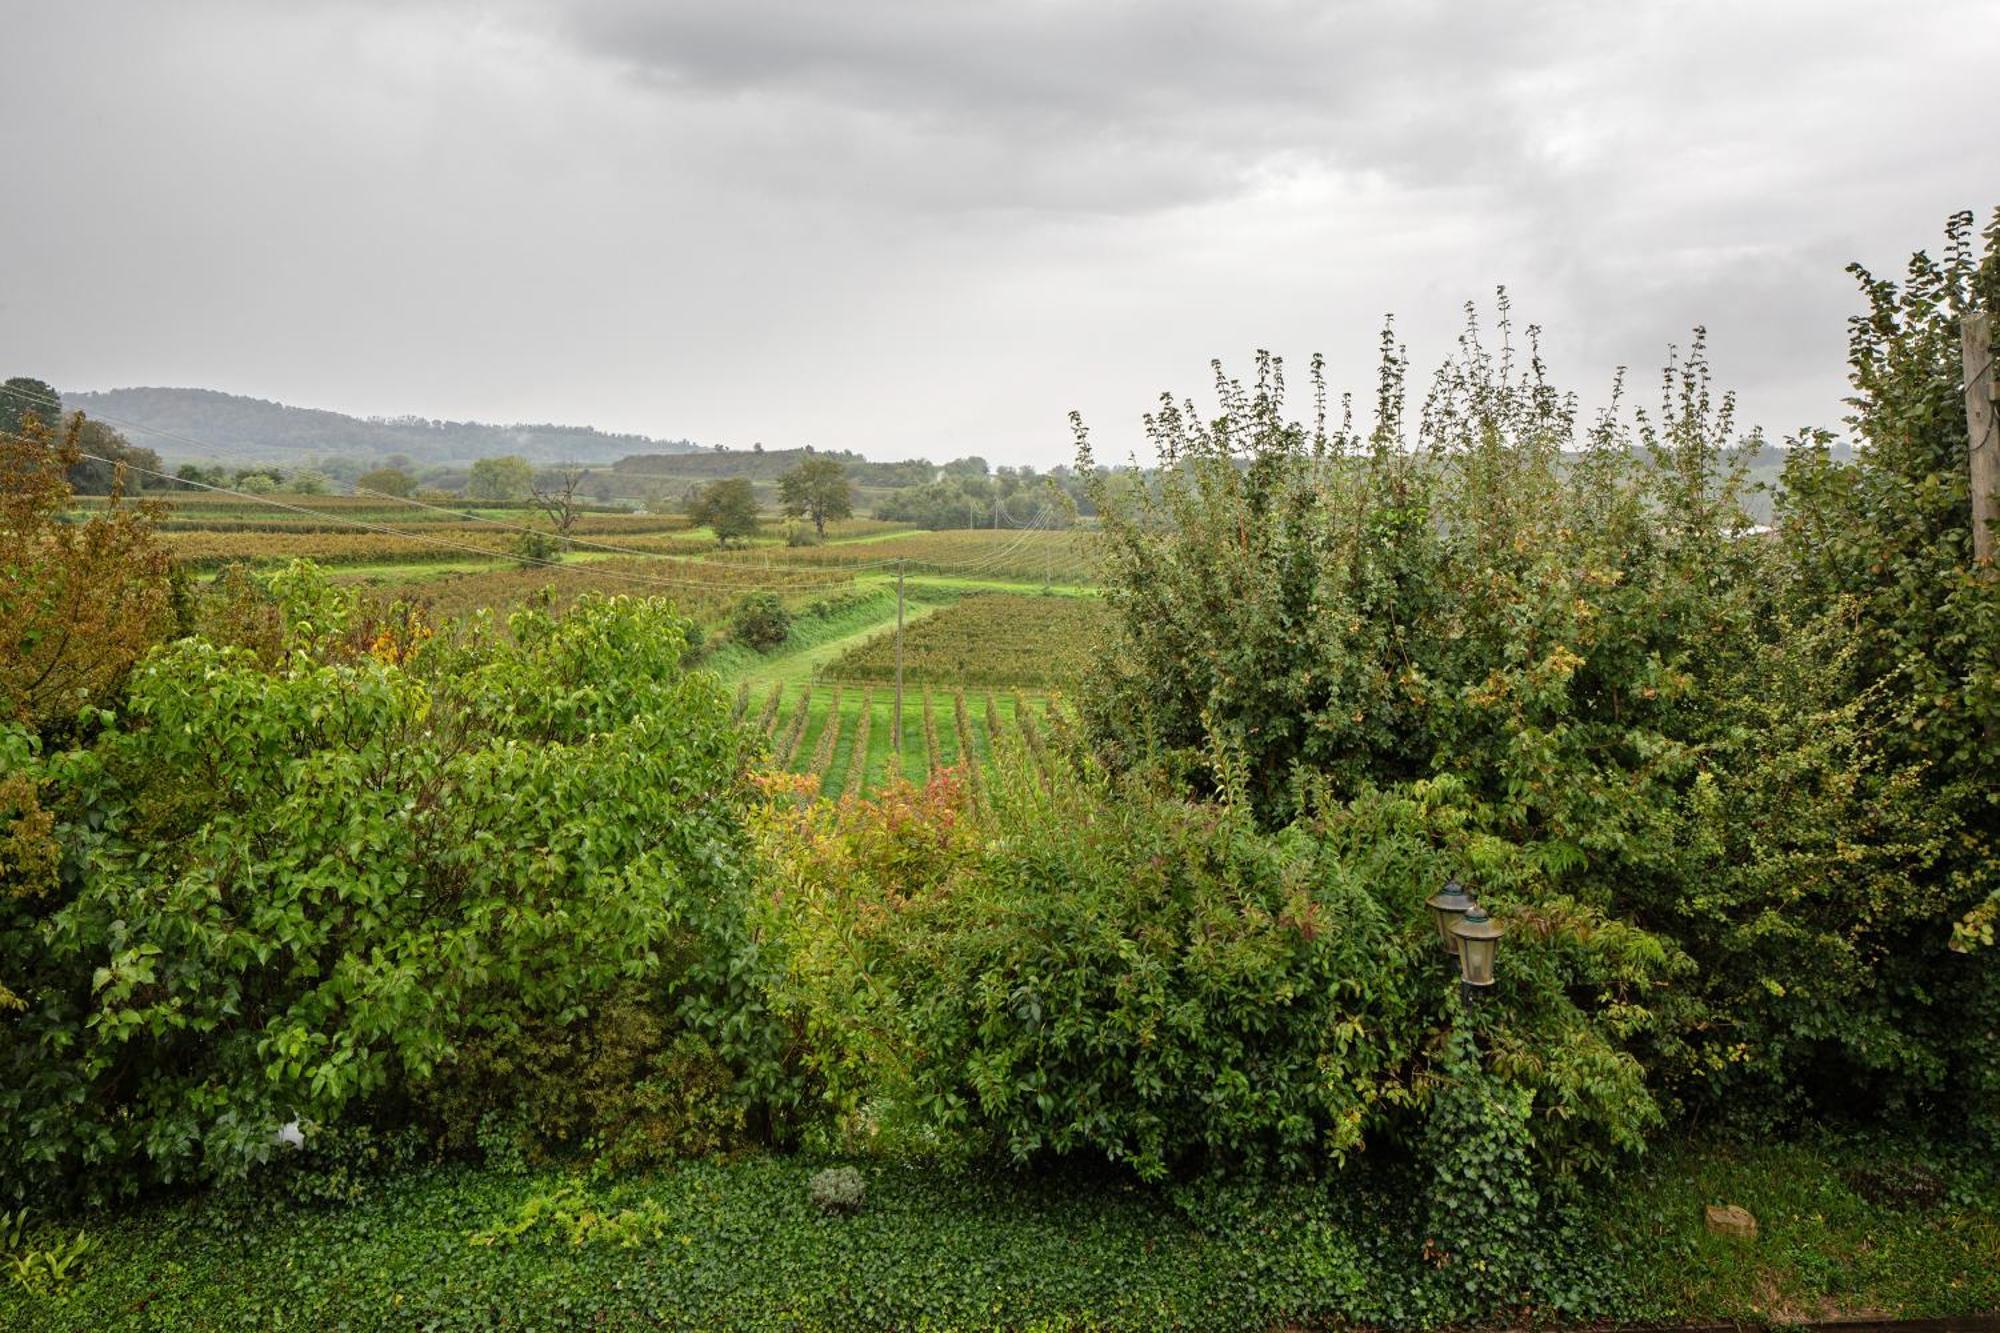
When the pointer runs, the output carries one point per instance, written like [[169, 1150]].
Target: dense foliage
[[1765, 759], [728, 508], [817, 489], [375, 868], [79, 602], [761, 621], [1010, 498]]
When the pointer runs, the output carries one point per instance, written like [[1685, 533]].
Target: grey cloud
[[1180, 100], [934, 227]]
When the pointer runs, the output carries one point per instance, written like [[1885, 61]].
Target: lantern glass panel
[[1475, 962], [1478, 937]]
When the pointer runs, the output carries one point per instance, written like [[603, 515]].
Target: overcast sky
[[928, 227]]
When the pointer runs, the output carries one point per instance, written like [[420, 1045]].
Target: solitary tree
[[554, 494], [728, 506], [505, 478], [818, 489]]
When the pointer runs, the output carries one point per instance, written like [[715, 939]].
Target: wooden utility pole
[[896, 722], [1982, 433]]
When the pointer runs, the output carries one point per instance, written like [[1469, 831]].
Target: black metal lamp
[[1448, 905]]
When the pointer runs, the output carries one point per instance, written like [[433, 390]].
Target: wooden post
[[896, 723], [1982, 434]]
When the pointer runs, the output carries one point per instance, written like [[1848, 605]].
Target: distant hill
[[233, 428]]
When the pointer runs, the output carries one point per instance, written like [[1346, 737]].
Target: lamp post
[[1478, 941], [1447, 906]]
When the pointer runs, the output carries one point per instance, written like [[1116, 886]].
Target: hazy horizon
[[931, 231]]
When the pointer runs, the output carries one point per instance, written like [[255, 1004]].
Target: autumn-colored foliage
[[79, 601]]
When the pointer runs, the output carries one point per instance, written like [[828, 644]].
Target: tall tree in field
[[729, 507], [554, 493], [505, 478], [818, 489]]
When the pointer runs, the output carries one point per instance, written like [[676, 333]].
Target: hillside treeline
[[184, 422]]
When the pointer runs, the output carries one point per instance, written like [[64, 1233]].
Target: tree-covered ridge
[[240, 426]]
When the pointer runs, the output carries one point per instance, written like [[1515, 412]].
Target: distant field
[[590, 525], [974, 616], [1023, 555], [985, 640], [703, 591], [210, 549]]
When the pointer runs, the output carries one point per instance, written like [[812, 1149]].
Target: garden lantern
[[1447, 906], [1478, 940]]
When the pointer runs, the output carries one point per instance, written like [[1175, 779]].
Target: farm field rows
[[587, 525], [1027, 555], [1004, 639], [995, 654], [210, 549], [704, 591], [826, 728]]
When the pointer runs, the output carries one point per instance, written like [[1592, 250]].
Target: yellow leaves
[[393, 644], [28, 851], [1490, 692], [1563, 662]]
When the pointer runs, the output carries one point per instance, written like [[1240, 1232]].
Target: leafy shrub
[[535, 547], [623, 1081], [761, 621], [344, 1163], [1094, 970], [1910, 840], [343, 882], [1746, 778]]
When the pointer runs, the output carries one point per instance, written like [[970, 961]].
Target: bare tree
[[554, 493]]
